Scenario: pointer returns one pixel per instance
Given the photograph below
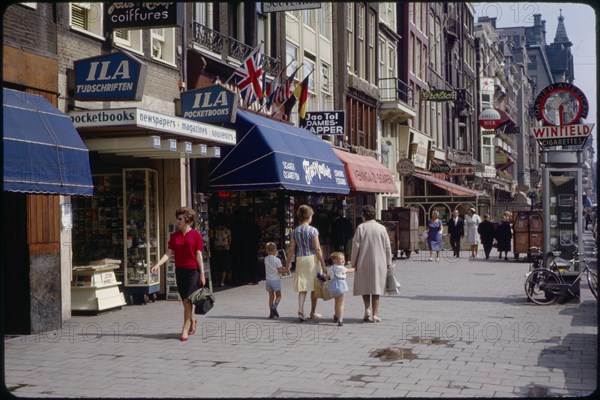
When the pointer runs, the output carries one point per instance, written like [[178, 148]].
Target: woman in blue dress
[[434, 235]]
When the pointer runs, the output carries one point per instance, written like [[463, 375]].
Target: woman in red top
[[189, 268]]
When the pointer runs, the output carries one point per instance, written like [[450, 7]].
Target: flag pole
[[250, 55], [282, 104], [278, 76]]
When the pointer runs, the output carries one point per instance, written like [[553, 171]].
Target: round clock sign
[[561, 104]]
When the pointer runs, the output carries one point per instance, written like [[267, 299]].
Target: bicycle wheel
[[592, 279], [537, 286]]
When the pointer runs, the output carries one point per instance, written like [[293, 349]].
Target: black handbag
[[203, 300]]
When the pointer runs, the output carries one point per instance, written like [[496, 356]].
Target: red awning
[[366, 174], [449, 186]]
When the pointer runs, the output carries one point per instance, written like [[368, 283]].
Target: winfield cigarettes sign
[[566, 135]]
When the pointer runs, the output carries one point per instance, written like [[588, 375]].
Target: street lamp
[[532, 194]]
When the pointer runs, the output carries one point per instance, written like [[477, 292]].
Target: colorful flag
[[248, 77], [301, 93]]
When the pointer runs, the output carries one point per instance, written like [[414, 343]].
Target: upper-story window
[[325, 77], [308, 18], [291, 54], [387, 14], [361, 62], [203, 14], [371, 53], [325, 20], [309, 66], [350, 32], [129, 38], [87, 18], [163, 45]]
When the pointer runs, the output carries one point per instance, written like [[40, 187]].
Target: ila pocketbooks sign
[[113, 77], [210, 104]]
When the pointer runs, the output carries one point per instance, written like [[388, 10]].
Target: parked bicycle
[[545, 285]]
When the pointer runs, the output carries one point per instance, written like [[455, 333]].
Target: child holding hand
[[273, 270], [336, 273]]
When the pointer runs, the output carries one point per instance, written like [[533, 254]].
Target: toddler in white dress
[[336, 274]]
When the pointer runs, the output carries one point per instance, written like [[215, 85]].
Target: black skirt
[[187, 281]]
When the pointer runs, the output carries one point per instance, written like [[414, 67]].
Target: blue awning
[[43, 152], [273, 155]]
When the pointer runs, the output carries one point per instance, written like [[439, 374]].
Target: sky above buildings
[[580, 24]]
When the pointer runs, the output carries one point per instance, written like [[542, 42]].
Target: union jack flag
[[248, 77]]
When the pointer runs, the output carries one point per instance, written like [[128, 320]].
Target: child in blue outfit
[[273, 270], [336, 274]]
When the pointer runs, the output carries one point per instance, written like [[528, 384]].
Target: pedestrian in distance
[[221, 246], [305, 246], [504, 235], [187, 245], [456, 231], [338, 286], [273, 270], [341, 232], [472, 220], [371, 257], [487, 234], [435, 228]]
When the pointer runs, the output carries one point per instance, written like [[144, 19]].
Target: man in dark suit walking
[[456, 230]]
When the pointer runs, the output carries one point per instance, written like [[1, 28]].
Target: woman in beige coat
[[372, 257]]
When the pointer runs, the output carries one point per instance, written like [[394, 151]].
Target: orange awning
[[449, 186], [366, 174]]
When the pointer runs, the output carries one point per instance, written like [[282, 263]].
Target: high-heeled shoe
[[301, 316], [193, 327], [183, 339], [367, 315]]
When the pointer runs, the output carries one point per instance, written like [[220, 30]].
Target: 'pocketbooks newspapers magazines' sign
[[324, 122]]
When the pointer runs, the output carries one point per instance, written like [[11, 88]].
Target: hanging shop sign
[[439, 95], [324, 122], [459, 171], [277, 7], [405, 167], [143, 15], [113, 77], [210, 104], [439, 167], [489, 118]]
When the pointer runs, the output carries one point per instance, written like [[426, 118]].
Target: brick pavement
[[457, 329]]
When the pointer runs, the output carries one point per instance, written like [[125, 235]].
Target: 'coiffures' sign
[[137, 15], [112, 77]]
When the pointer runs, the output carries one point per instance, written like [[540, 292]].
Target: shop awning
[[43, 152], [273, 155], [449, 186], [366, 174]]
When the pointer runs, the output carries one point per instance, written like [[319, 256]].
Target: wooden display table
[[95, 288]]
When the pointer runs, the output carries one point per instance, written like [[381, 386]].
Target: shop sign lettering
[[439, 95], [210, 104], [324, 122], [136, 15], [113, 77], [314, 169]]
